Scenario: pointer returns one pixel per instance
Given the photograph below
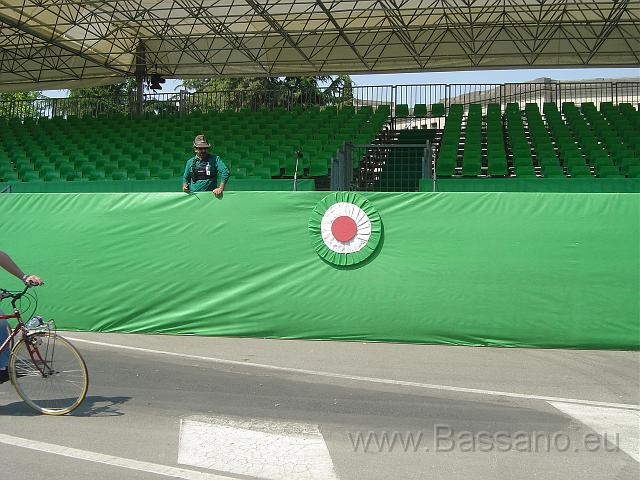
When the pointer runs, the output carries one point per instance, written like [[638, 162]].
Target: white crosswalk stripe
[[264, 449], [617, 425]]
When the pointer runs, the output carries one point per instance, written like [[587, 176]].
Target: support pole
[[141, 74]]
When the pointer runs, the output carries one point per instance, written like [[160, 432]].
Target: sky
[[474, 76]]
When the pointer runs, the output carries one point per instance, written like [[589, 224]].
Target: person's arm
[[11, 267], [186, 176], [224, 176]]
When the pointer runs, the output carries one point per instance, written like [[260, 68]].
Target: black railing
[[397, 97]]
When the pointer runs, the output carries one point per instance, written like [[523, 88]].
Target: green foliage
[[253, 93], [19, 104], [219, 93], [94, 101]]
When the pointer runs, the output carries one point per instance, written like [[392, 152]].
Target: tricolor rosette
[[345, 228]]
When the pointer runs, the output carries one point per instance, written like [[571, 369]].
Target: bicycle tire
[[63, 385]]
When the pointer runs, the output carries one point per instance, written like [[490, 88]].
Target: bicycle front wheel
[[48, 373]]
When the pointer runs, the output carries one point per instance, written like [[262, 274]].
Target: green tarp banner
[[558, 185], [507, 269], [156, 185]]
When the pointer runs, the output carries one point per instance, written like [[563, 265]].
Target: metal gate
[[382, 167]]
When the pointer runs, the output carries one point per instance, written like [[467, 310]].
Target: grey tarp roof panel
[[49, 44]]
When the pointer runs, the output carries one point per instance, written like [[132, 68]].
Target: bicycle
[[46, 370]]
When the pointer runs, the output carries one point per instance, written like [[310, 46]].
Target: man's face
[[201, 152]]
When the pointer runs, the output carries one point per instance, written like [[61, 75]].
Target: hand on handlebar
[[33, 280]]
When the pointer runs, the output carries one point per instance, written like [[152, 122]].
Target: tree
[[19, 104], [340, 90], [93, 101], [223, 93]]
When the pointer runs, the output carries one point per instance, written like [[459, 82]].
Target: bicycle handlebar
[[15, 296]]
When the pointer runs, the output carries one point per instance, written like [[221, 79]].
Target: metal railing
[[381, 167], [391, 95], [504, 93]]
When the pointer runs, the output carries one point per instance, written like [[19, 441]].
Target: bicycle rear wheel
[[48, 373]]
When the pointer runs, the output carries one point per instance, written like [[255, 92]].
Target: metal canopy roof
[[67, 43]]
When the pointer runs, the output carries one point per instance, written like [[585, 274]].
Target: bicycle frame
[[33, 350]]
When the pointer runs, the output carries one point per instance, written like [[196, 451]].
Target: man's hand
[[33, 280], [185, 188], [218, 191]]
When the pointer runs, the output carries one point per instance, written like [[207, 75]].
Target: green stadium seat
[[40, 161], [144, 161], [608, 171], [154, 169], [547, 159], [444, 169], [87, 169], [471, 169], [261, 172], [109, 168], [552, 171], [73, 176], [46, 168], [437, 110], [366, 110], [573, 159], [5, 168], [31, 177], [522, 159], [318, 168], [165, 174], [96, 175], [142, 174], [10, 176], [402, 110], [24, 167], [178, 169], [119, 175], [497, 168], [579, 171], [50, 176], [601, 159], [130, 167], [238, 172], [633, 171], [272, 164], [420, 110], [524, 171]]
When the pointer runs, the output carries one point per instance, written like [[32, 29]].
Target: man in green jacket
[[201, 171]]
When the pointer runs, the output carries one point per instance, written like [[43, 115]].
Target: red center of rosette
[[344, 228]]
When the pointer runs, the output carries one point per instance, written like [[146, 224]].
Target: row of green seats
[[621, 154], [631, 114], [572, 171], [595, 152], [540, 139], [256, 149], [450, 143], [472, 150], [568, 150], [623, 119], [420, 110], [87, 172], [496, 155], [520, 148]]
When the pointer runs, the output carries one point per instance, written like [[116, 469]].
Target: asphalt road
[[226, 408]]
